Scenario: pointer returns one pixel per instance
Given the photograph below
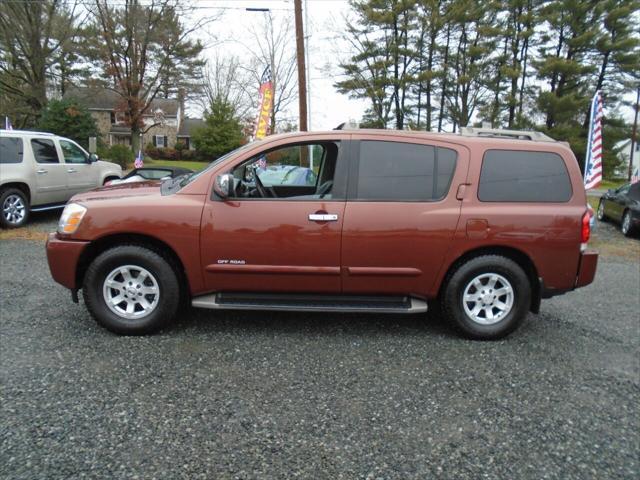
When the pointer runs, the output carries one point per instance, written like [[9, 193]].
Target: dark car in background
[[622, 205], [150, 173]]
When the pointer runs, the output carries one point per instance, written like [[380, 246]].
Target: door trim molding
[[386, 271], [270, 269]]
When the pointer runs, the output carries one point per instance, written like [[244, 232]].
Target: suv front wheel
[[15, 208], [131, 290], [487, 297]]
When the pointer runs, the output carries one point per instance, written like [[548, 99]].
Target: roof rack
[[499, 133]]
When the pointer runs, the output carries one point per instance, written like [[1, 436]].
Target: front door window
[[301, 172]]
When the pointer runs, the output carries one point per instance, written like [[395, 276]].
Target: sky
[[325, 21]]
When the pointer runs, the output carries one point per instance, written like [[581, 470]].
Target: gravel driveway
[[281, 395]]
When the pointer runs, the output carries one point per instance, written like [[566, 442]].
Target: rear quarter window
[[11, 150], [523, 176], [396, 171]]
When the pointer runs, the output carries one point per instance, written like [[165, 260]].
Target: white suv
[[41, 171]]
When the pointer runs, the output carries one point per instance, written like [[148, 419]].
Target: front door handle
[[72, 170], [42, 171], [323, 217]]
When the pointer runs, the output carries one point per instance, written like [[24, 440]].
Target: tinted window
[[44, 151], [634, 192], [404, 171], [518, 176], [10, 150], [72, 153]]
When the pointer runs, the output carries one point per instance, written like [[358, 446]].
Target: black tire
[[600, 212], [453, 305], [108, 179], [626, 226], [135, 256], [6, 197]]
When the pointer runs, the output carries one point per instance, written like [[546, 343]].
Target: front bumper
[[587, 268], [63, 257]]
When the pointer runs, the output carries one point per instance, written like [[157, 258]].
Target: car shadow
[[305, 323]]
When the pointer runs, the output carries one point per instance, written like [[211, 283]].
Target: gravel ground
[[280, 395]]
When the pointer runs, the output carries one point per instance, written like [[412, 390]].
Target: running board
[[309, 303], [42, 208]]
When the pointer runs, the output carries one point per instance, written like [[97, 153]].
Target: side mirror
[[93, 158], [611, 191], [223, 186]]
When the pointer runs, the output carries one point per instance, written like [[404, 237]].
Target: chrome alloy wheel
[[131, 292], [488, 298], [600, 211], [13, 209], [626, 223]]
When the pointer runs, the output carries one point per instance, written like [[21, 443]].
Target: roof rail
[[499, 133], [27, 132]]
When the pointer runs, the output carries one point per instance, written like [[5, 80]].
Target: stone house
[[164, 121]]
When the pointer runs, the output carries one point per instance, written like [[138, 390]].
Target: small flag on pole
[[636, 176], [7, 123], [139, 163], [593, 163]]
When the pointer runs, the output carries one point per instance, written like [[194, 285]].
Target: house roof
[[189, 125], [104, 99]]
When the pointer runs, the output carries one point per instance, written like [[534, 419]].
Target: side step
[[309, 303]]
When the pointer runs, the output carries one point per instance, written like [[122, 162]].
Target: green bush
[[120, 154]]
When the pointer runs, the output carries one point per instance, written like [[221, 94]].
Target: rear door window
[[523, 176], [44, 151], [396, 171], [11, 150]]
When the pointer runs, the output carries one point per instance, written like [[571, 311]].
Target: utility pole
[[302, 77], [634, 137]]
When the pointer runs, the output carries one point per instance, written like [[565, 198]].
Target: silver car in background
[[41, 171]]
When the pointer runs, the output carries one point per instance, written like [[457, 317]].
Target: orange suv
[[487, 222]]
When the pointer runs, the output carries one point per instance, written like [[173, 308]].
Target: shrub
[[121, 154]]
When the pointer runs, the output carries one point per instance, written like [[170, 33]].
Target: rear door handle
[[41, 171], [323, 217], [72, 170]]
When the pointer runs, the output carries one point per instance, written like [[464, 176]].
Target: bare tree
[[136, 45], [272, 44], [31, 37], [224, 80]]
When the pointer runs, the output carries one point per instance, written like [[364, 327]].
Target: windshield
[[191, 177]]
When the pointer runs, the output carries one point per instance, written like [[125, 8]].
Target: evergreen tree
[[69, 119], [381, 69], [222, 131]]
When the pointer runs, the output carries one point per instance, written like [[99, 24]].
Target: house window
[[160, 141]]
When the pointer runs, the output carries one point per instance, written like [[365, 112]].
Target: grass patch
[[616, 183], [23, 234]]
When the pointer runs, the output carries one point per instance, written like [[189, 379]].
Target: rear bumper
[[63, 257], [587, 268]]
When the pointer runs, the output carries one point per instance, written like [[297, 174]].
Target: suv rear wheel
[[14, 208], [487, 297], [131, 290]]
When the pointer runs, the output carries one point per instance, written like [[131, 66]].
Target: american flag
[[636, 176], [593, 163], [139, 163]]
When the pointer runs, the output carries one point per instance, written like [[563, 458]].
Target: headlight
[[71, 218]]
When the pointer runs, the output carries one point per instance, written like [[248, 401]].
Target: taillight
[[586, 229]]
